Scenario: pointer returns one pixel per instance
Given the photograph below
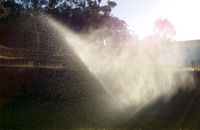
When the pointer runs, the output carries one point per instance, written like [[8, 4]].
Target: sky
[[140, 15]]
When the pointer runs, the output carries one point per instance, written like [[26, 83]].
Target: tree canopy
[[19, 18], [164, 28]]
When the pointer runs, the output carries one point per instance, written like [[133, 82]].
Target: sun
[[184, 16]]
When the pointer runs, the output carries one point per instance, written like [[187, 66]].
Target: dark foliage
[[21, 25]]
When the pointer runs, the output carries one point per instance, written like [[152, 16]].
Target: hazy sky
[[140, 15]]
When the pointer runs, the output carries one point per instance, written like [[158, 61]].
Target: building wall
[[190, 51]]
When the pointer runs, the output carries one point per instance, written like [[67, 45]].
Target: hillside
[[42, 98]]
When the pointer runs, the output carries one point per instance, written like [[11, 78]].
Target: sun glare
[[183, 15]]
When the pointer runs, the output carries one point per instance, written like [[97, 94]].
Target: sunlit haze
[[118, 78], [100, 64], [140, 16]]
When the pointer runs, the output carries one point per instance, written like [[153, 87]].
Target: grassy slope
[[71, 97], [51, 98], [181, 111], [58, 98], [39, 96]]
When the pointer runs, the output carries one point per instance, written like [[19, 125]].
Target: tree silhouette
[[20, 18], [164, 29]]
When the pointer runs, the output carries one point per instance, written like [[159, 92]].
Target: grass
[[43, 98], [57, 96], [23, 58]]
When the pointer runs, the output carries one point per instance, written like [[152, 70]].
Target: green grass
[[43, 98], [52, 99]]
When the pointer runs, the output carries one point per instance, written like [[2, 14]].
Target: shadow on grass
[[42, 98], [181, 111], [52, 98]]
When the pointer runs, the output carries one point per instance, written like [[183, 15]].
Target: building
[[190, 51]]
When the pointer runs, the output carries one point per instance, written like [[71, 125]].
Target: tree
[[81, 15], [164, 29], [4, 12]]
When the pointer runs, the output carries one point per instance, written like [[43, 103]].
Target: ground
[[42, 97]]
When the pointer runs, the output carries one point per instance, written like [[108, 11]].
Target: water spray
[[134, 75]]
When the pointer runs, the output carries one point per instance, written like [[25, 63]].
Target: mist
[[134, 74]]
